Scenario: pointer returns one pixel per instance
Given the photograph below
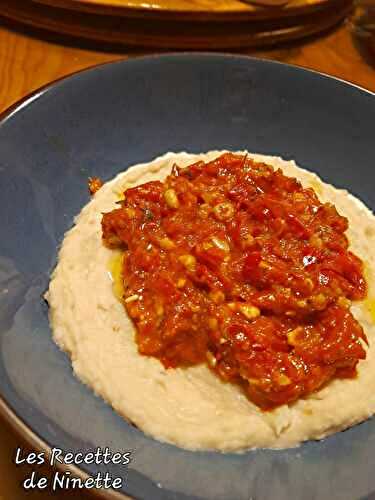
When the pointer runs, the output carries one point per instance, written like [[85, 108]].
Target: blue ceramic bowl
[[95, 123]]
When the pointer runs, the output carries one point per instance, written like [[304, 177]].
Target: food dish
[[323, 123], [190, 406]]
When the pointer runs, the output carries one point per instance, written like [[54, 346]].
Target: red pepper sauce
[[235, 264], [94, 184]]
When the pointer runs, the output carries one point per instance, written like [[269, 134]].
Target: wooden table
[[30, 59]]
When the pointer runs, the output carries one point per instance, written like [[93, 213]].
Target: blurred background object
[[44, 40], [181, 24], [362, 24]]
